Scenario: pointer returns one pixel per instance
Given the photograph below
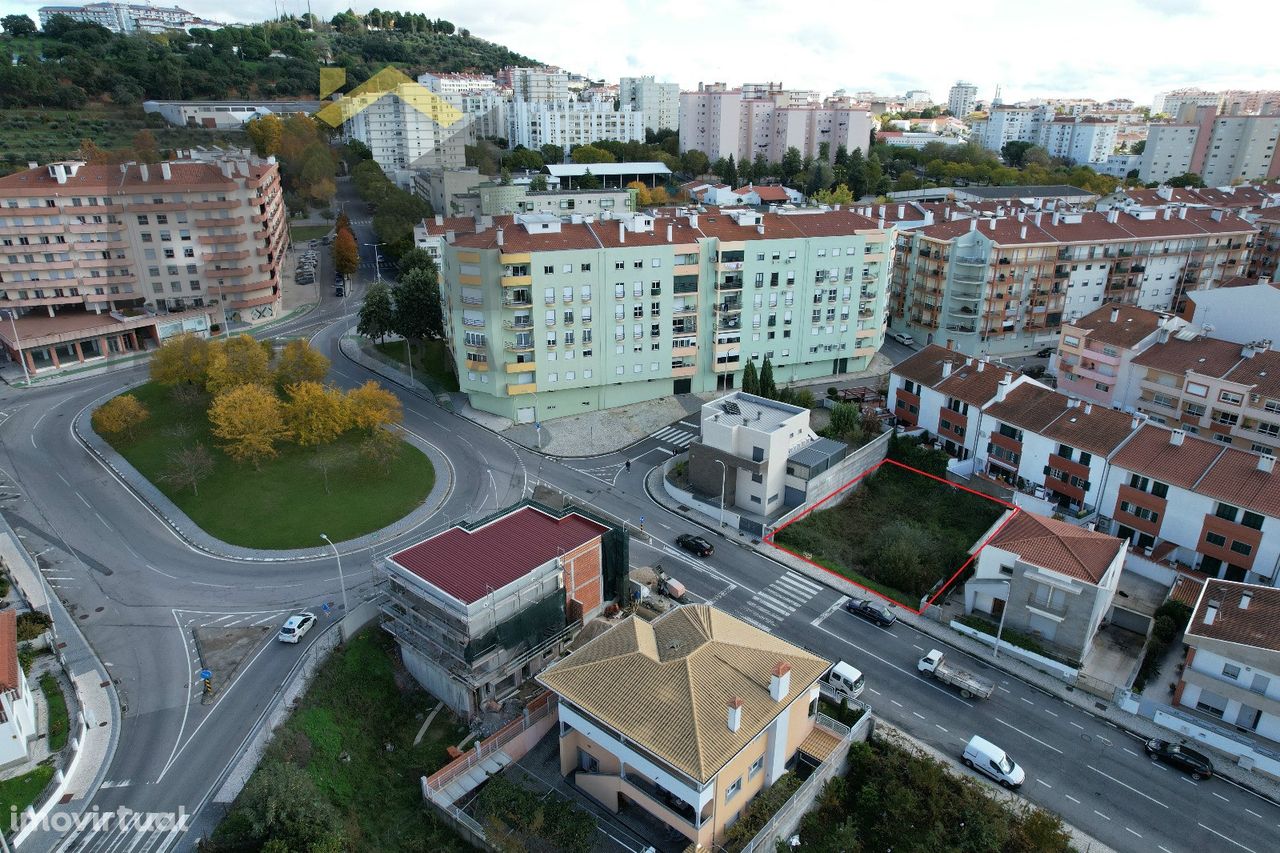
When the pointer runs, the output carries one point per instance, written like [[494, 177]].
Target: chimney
[[882, 210], [760, 228], [1022, 234], [32, 164], [1245, 599], [622, 232], [500, 237], [1182, 213], [1266, 464], [982, 362], [780, 681], [735, 713], [1247, 350], [902, 211], [1039, 216], [1168, 213], [991, 224], [165, 172], [450, 236], [146, 173], [671, 231], [1210, 612], [946, 368], [1057, 217], [881, 223], [973, 225], [1088, 407], [1002, 389], [439, 219], [968, 360], [1115, 315], [1113, 216], [693, 220], [1176, 437], [1134, 423], [59, 172]]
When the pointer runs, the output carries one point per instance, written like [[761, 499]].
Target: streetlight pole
[[341, 580], [17, 345], [724, 475], [1003, 610]]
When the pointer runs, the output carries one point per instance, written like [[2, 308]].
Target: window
[[1197, 389], [1251, 520], [1242, 548], [1230, 670], [1226, 511], [1194, 409], [1230, 398], [548, 270], [585, 267], [756, 767], [1216, 539], [1139, 512]]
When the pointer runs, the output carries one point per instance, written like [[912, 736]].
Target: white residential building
[[17, 708], [403, 138], [659, 102], [571, 123], [130, 17], [537, 84], [1221, 149], [452, 85], [962, 99]]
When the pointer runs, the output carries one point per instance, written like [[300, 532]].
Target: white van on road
[[985, 757]]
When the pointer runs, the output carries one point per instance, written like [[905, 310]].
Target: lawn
[[430, 358], [303, 233], [899, 532], [21, 791], [287, 502], [59, 721], [352, 734]]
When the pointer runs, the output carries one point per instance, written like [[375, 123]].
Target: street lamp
[[17, 345], [341, 581], [1003, 610], [377, 264], [724, 475]]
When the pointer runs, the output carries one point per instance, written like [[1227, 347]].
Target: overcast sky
[[1032, 48]]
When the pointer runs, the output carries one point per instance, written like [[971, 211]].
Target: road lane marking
[[1225, 838], [1131, 752], [1127, 829], [940, 728], [1255, 814], [918, 714], [1126, 785], [1050, 713], [1219, 796], [1005, 689], [1078, 726], [896, 702], [1189, 781], [921, 648], [1032, 737], [1028, 701], [1100, 814], [1072, 799], [1046, 784], [873, 690]]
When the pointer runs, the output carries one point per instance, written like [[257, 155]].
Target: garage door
[[1043, 626], [525, 415], [1130, 621]]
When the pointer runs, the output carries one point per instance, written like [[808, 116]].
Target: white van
[[985, 757], [844, 682]]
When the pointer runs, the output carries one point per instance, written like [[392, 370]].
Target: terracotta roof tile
[[975, 383], [1058, 546], [1029, 406], [1093, 428], [925, 366], [1262, 371], [1129, 328], [1206, 356], [1236, 479], [1186, 589], [1151, 454], [184, 173], [10, 670], [1256, 625]]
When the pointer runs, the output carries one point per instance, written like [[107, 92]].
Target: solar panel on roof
[[732, 408]]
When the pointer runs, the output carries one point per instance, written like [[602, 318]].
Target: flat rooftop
[[741, 409], [468, 564]]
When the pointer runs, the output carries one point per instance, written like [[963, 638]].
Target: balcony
[[524, 301], [970, 261], [479, 365], [516, 280], [526, 388], [472, 300], [518, 346], [520, 366], [518, 324]]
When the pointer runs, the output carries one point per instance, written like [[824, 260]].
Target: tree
[[658, 196], [346, 257], [377, 313], [643, 198], [145, 147], [591, 154], [373, 407], [768, 388], [538, 184], [551, 153], [1138, 147], [839, 195], [325, 459], [730, 175], [1014, 151], [750, 378], [588, 181], [792, 164], [281, 805], [380, 449], [250, 420], [523, 158], [418, 314], [300, 362], [91, 153], [188, 466], [238, 361], [1036, 156], [694, 162], [1189, 179], [182, 360], [265, 133], [18, 26], [121, 414], [314, 414]]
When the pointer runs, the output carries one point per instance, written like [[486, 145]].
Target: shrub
[[32, 624]]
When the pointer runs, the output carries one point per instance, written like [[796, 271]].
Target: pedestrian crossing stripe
[[676, 437]]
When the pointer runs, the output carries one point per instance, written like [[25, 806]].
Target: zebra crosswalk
[[787, 594], [678, 435]]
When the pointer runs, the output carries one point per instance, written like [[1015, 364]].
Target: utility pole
[[17, 345]]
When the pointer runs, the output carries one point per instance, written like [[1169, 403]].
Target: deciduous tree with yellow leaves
[[250, 420], [300, 362], [373, 407], [120, 414], [315, 414], [182, 360], [238, 361]]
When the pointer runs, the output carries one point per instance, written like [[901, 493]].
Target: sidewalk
[[1140, 726]]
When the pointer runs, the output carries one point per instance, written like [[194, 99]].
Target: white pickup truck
[[842, 682], [971, 686]]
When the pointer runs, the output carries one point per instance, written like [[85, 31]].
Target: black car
[[1182, 757], [695, 545], [873, 611], [1045, 353]]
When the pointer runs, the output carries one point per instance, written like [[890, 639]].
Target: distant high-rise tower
[[962, 99], [997, 100]]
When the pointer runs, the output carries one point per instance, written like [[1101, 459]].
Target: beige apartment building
[[1004, 284], [101, 260]]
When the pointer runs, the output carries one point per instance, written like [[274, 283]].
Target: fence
[[1040, 662], [537, 709], [787, 818]]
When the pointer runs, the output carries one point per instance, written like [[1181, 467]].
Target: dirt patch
[[222, 651]]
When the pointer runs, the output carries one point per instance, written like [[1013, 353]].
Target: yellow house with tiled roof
[[688, 717]]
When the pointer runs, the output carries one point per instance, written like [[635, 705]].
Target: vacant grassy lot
[[352, 734], [303, 233], [900, 530], [431, 360], [45, 135], [290, 500], [21, 791]]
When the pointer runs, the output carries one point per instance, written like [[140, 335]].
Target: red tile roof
[[766, 193], [1090, 227], [1093, 428], [10, 671], [1256, 625], [1058, 546], [1186, 589], [1151, 454], [1236, 479], [1261, 371], [1029, 406], [966, 381], [183, 174], [468, 564], [1129, 328], [1206, 356]]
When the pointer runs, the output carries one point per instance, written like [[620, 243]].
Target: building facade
[[1221, 149], [404, 134], [571, 123], [1095, 351], [549, 316], [108, 259], [225, 114], [962, 99], [17, 704], [130, 17], [659, 103]]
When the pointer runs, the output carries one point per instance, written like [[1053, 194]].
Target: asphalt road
[[137, 591]]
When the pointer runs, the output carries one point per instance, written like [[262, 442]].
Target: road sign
[[325, 607], [204, 673], [537, 425]]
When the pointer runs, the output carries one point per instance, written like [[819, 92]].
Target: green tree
[[1014, 151], [591, 154], [418, 315], [792, 164], [1138, 147], [538, 184], [18, 26], [838, 195], [551, 153], [1036, 156], [588, 181], [413, 259], [1189, 179], [730, 175], [377, 313], [750, 378], [282, 806], [693, 163], [768, 388], [524, 159]]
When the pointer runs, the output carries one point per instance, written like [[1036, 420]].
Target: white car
[[296, 627], [903, 338]]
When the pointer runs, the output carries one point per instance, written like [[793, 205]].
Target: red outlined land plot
[[950, 579]]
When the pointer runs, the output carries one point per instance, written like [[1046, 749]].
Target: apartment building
[[1224, 391], [962, 99], [1002, 125], [1004, 284], [106, 259], [571, 123], [1082, 139], [1047, 578], [1240, 310], [1265, 260], [452, 85], [543, 84], [768, 120], [406, 132], [130, 17], [480, 609], [17, 702], [225, 115], [1095, 351], [549, 316], [1232, 667], [693, 758], [659, 103], [1221, 149], [475, 96], [1182, 498]]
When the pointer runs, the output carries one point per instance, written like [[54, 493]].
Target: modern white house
[[17, 707]]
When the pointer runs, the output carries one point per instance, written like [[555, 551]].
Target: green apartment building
[[550, 316]]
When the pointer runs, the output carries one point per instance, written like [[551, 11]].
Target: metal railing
[[536, 710]]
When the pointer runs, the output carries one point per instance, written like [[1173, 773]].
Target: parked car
[[339, 290], [296, 627], [903, 338], [1182, 757], [1045, 352], [695, 545], [873, 611], [990, 760]]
